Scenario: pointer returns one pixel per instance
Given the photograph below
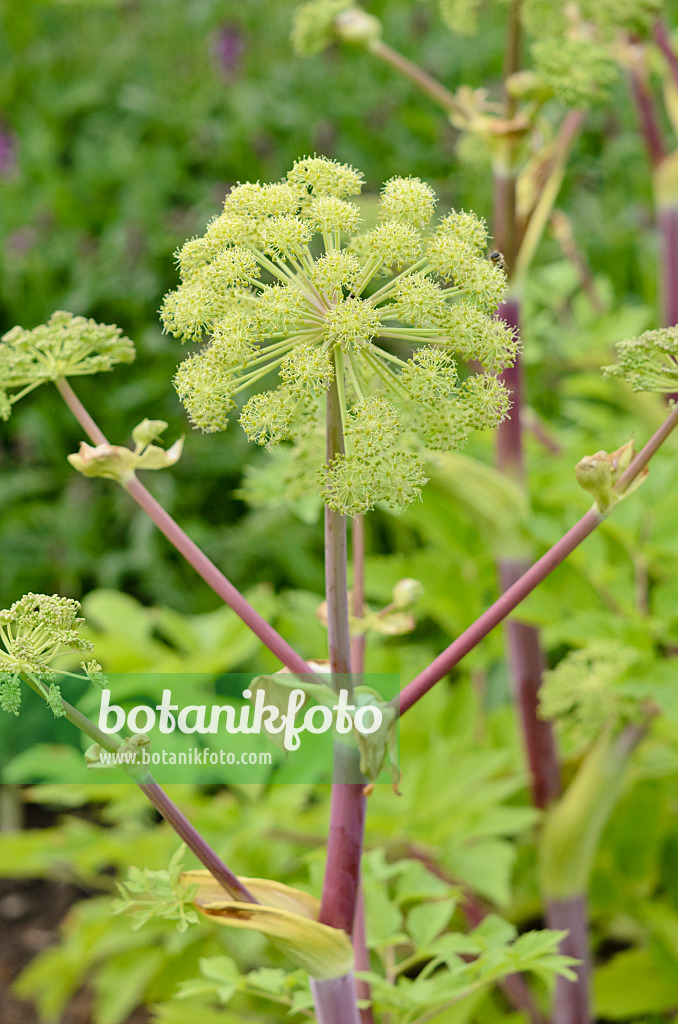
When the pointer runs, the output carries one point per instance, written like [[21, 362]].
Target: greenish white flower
[[650, 362], [66, 346], [33, 632], [284, 284]]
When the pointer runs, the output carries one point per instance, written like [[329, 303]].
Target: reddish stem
[[572, 998], [663, 41], [527, 664], [362, 957], [347, 807], [497, 612], [194, 841], [531, 579], [526, 659], [214, 578], [358, 642], [647, 114]]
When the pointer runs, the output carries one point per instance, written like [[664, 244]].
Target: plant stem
[[194, 841], [347, 811], [567, 849], [362, 957], [358, 592], [525, 655], [531, 579], [663, 41], [427, 83], [645, 109], [214, 578], [335, 1000], [571, 999], [542, 209], [667, 221], [167, 808]]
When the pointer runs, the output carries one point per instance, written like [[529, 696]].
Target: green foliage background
[[125, 129]]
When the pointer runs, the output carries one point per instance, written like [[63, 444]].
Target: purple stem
[[334, 1000], [572, 998], [214, 578], [647, 114], [357, 605], [526, 658], [362, 957], [538, 572], [663, 41], [194, 841], [347, 807], [168, 809]]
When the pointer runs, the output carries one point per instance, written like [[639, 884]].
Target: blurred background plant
[[122, 125]]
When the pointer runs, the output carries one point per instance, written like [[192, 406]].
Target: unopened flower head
[[66, 346], [298, 299]]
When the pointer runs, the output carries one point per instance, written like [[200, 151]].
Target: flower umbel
[[33, 632], [650, 362], [284, 282], [66, 346]]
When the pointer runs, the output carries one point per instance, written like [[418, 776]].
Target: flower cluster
[[319, 22], [33, 632], [66, 346], [650, 362], [574, 46], [585, 692], [283, 280]]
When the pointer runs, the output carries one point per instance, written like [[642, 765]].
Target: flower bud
[[407, 592]]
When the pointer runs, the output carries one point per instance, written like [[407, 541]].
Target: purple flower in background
[[7, 154], [229, 46]]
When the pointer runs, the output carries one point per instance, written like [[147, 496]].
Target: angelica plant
[[283, 280], [362, 329]]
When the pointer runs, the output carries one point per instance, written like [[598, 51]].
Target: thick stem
[[362, 957], [526, 659], [336, 583], [347, 810], [512, 50], [567, 848], [214, 578], [358, 596], [572, 998], [334, 1000], [531, 579], [429, 85]]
